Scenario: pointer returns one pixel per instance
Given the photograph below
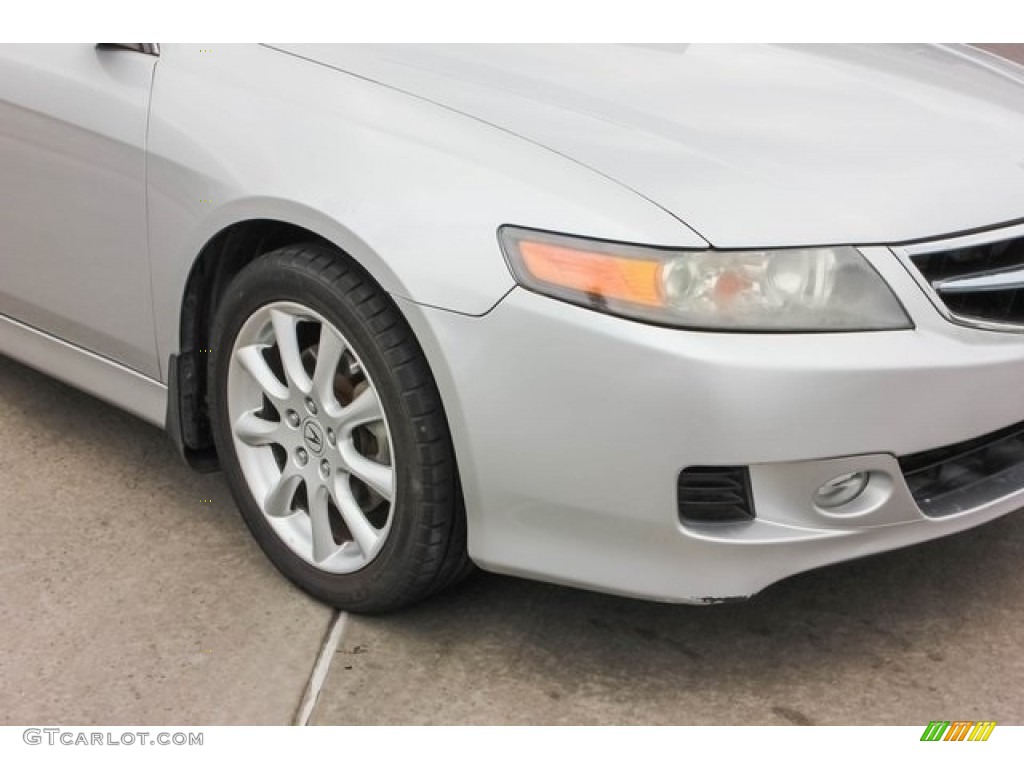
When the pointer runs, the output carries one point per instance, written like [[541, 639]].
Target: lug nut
[[311, 406], [325, 469], [293, 418], [302, 456], [330, 436]]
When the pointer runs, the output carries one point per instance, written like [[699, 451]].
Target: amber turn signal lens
[[598, 275], [786, 290]]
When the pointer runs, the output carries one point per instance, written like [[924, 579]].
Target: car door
[[73, 242]]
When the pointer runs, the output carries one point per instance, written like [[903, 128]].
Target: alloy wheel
[[311, 437]]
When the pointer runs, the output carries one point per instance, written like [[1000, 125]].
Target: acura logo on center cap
[[314, 437]]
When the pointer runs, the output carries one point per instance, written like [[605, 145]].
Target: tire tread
[[439, 556]]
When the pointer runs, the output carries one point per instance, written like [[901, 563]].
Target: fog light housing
[[841, 490]]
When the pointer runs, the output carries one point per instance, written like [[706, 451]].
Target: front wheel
[[332, 435]]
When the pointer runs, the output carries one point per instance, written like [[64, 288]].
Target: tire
[[332, 435]]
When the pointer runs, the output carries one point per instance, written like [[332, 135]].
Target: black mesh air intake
[[715, 495], [961, 477]]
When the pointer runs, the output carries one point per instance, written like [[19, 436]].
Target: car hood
[[751, 146]]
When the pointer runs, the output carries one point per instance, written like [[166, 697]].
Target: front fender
[[413, 191]]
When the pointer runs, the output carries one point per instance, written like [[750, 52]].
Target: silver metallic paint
[[647, 402], [99, 376], [413, 191], [569, 426], [73, 206], [751, 146]]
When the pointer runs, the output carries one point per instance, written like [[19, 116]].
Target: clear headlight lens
[[794, 289]]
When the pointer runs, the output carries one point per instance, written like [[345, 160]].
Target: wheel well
[[223, 257]]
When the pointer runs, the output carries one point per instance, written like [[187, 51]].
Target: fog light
[[841, 490]]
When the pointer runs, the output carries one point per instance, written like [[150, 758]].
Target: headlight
[[794, 289]]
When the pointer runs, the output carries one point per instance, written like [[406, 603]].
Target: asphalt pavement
[[130, 592]]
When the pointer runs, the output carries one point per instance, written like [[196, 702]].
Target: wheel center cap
[[313, 435]]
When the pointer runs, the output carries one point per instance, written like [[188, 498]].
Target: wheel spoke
[[363, 533], [285, 331], [278, 501], [254, 363], [363, 410], [328, 356], [255, 430], [289, 373], [319, 519], [379, 477]]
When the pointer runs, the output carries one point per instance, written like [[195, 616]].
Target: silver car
[[665, 321]]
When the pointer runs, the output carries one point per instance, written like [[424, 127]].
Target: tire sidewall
[[265, 282]]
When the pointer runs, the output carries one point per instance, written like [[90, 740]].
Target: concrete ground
[[130, 592]]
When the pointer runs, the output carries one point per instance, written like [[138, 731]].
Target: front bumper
[[571, 428]]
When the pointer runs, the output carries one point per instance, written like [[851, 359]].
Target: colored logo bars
[[958, 730]]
